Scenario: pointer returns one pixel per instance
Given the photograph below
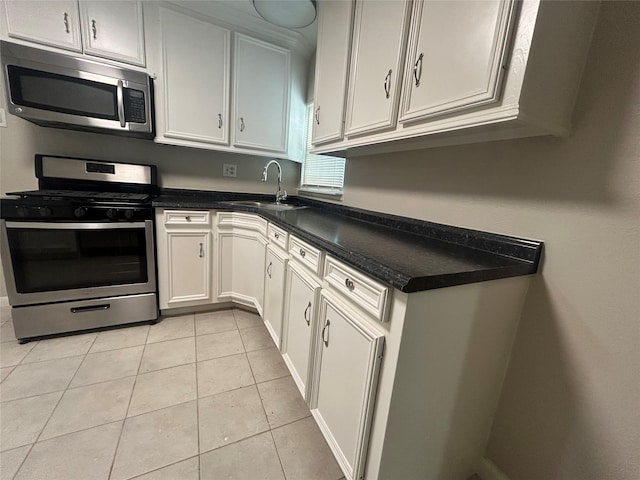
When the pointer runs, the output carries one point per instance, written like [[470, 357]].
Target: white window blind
[[321, 173]]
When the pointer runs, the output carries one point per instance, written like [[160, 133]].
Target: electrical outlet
[[3, 118], [229, 170]]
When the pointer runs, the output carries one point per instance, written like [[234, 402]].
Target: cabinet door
[[196, 58], [335, 20], [113, 29], [54, 23], [275, 271], [348, 354], [377, 59], [189, 268], [299, 325], [261, 94], [455, 56], [242, 255]]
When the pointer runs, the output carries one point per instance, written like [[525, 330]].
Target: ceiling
[[244, 8]]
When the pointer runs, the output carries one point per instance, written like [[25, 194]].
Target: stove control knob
[[128, 214], [45, 211], [111, 213], [80, 212], [22, 211]]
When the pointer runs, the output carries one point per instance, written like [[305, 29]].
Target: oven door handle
[[75, 225]]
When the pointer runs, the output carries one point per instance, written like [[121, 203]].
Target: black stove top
[[88, 196]]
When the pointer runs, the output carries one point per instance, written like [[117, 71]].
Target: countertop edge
[[371, 266]]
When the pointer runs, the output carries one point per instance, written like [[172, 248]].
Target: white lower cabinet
[[401, 385], [303, 291], [185, 262], [275, 271], [241, 258], [348, 351]]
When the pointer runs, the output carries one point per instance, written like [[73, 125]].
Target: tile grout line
[[135, 381], [195, 346], [165, 466], [275, 446], [64, 391]]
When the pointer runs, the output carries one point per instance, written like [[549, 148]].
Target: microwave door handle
[[120, 97]]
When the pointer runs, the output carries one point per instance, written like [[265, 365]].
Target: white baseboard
[[487, 470], [4, 301]]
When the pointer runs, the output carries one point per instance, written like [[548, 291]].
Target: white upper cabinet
[[195, 57], [261, 94], [455, 56], [106, 29], [473, 71], [377, 58], [54, 23], [113, 29], [332, 63]]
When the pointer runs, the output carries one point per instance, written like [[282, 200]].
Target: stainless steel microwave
[[55, 90]]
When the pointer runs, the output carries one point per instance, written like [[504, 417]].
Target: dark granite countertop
[[410, 255]]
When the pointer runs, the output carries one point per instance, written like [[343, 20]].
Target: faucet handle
[[284, 195]]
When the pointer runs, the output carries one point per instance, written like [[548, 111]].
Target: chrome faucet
[[280, 194]]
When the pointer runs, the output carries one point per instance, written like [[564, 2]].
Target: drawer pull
[[269, 269], [307, 319], [65, 20], [326, 328], [201, 251], [277, 235], [349, 283], [188, 218], [90, 308], [302, 253]]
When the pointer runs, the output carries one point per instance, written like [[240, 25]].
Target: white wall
[[570, 407], [178, 167]]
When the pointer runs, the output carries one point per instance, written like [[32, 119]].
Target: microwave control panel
[[134, 106]]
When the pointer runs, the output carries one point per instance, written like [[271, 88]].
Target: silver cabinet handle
[[308, 320], [94, 29], [219, 120], [65, 19], [242, 124], [120, 98], [317, 115], [302, 253], [277, 235], [201, 251], [387, 84], [269, 269], [187, 218], [417, 70], [349, 283], [326, 327]]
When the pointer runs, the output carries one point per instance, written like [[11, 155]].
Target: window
[[320, 173]]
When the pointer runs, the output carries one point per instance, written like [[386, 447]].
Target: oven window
[[48, 260]]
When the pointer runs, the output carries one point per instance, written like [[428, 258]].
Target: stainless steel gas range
[[78, 253]]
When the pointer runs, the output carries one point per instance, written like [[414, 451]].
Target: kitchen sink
[[267, 205]]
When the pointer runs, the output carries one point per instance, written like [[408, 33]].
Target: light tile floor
[[204, 396]]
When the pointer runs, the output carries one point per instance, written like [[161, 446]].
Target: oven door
[[47, 262]]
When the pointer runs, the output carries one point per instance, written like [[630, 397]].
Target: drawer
[[278, 236], [359, 288], [185, 218], [248, 221], [307, 255]]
